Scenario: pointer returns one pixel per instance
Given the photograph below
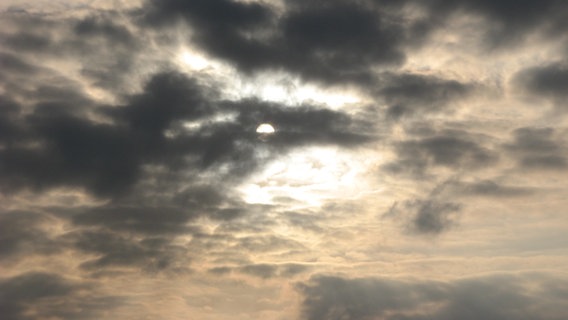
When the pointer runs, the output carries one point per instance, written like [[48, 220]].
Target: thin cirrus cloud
[[417, 159]]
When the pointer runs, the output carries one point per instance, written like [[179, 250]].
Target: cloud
[[538, 149], [146, 220], [490, 297], [50, 295], [264, 270], [426, 217], [548, 81], [269, 271], [101, 26], [18, 291], [267, 243], [508, 22], [344, 41], [116, 250], [412, 93], [22, 234], [333, 43], [490, 188], [453, 149]]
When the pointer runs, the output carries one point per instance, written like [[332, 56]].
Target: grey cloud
[[538, 148], [116, 250], [218, 19], [553, 162], [260, 270], [341, 41], [549, 81], [14, 64], [27, 41], [426, 217], [22, 233], [491, 297], [508, 22], [268, 243], [11, 130], [146, 219], [96, 43], [306, 221], [490, 188], [336, 42], [36, 295], [264, 270], [328, 297], [43, 35], [409, 93], [101, 26], [18, 292], [452, 149]]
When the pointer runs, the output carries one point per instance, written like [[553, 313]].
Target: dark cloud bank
[[498, 297], [36, 295]]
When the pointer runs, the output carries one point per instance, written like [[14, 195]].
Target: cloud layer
[[419, 147]]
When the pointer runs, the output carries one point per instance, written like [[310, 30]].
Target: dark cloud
[[97, 43], [146, 220], [306, 221], [264, 270], [36, 295], [268, 243], [490, 188], [335, 42], [451, 149], [22, 234], [14, 64], [549, 81], [341, 41], [101, 26], [18, 292], [508, 22], [10, 129], [427, 217], [26, 41], [116, 250], [538, 148], [216, 14], [220, 19], [409, 94], [327, 297], [491, 297]]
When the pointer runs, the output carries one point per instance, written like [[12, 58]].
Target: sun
[[265, 128]]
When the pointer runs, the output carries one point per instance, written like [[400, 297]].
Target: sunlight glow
[[194, 61], [298, 93], [308, 176]]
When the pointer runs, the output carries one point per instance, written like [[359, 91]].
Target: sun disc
[[265, 128]]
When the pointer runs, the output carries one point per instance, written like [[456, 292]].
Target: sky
[[417, 167]]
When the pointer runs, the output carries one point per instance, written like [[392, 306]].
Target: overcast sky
[[418, 168]]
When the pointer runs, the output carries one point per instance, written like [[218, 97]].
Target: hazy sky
[[418, 169]]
